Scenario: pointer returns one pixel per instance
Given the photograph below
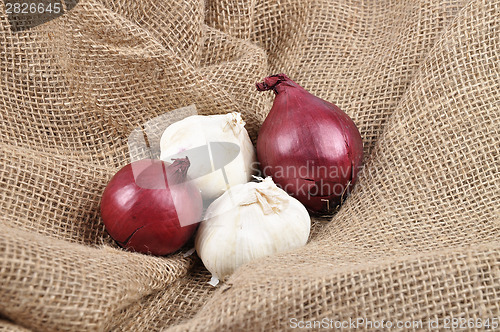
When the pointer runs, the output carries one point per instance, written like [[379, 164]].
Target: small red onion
[[310, 147], [149, 207]]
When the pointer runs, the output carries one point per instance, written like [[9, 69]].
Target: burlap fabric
[[418, 239]]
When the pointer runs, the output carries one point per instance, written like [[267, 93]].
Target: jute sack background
[[417, 240]]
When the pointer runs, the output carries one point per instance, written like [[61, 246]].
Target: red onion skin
[[310, 147], [143, 212]]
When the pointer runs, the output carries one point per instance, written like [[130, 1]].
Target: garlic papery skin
[[247, 222], [218, 147]]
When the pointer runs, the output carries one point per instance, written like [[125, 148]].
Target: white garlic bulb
[[250, 221], [218, 147]]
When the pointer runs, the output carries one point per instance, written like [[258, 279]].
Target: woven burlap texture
[[418, 239]]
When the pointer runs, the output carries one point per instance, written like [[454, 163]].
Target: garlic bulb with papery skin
[[218, 147], [250, 221]]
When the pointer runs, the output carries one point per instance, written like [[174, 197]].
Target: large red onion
[[149, 207], [310, 147]]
